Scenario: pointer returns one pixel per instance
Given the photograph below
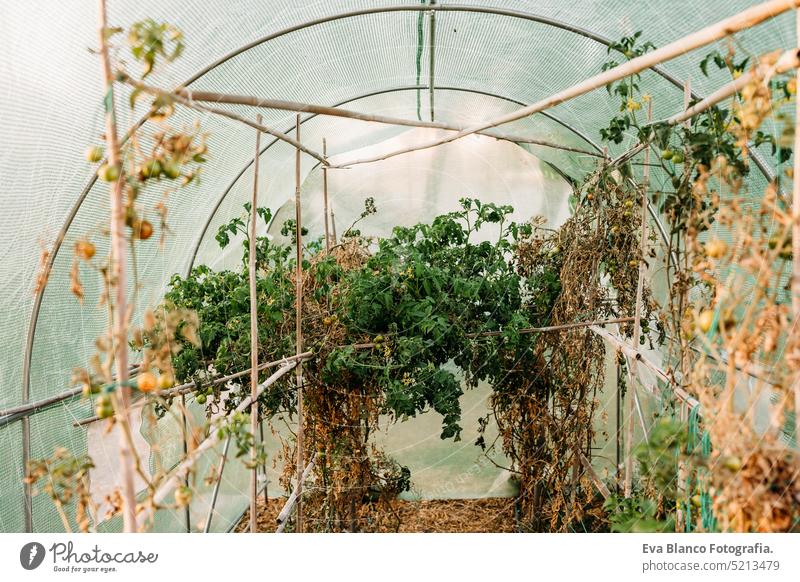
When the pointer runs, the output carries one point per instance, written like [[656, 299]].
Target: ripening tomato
[[146, 382], [143, 230], [716, 248], [84, 250]]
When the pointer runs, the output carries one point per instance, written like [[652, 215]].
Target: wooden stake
[[796, 239], [637, 323], [191, 386], [745, 19], [687, 98], [251, 273], [298, 326], [325, 194], [587, 465], [120, 282], [179, 97]]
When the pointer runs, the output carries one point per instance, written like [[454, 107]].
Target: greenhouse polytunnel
[[400, 266]]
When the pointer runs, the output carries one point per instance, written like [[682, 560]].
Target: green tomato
[[94, 154], [172, 170], [108, 173], [151, 169]]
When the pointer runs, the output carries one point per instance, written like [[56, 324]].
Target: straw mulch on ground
[[427, 516]]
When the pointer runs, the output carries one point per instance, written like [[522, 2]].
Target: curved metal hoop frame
[[28, 354]]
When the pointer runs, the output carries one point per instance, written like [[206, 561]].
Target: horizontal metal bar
[[10, 415]]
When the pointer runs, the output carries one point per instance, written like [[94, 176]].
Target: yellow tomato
[[165, 381], [716, 249], [705, 320]]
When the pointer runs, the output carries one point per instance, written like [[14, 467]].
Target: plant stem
[[119, 278]]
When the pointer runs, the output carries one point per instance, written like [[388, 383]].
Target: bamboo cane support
[[251, 273], [294, 497], [182, 470], [550, 327], [197, 97], [191, 386], [788, 61], [637, 323], [120, 282], [32, 407], [745, 19], [178, 97], [628, 350], [587, 465], [299, 326], [325, 195], [796, 239]]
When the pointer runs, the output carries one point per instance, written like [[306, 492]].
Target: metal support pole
[[187, 513], [215, 494], [26, 455]]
